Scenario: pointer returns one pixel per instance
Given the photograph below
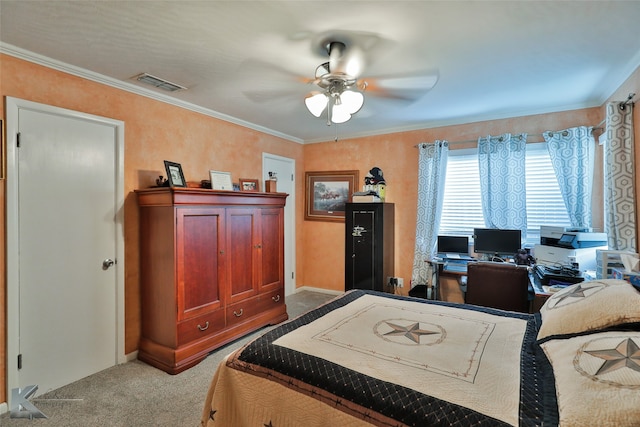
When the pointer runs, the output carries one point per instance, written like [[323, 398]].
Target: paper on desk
[[630, 261]]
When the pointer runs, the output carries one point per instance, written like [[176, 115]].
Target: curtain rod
[[622, 106], [629, 101], [467, 141]]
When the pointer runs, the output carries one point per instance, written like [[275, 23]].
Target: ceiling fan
[[338, 79], [341, 89]]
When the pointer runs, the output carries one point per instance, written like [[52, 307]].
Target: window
[[462, 208]]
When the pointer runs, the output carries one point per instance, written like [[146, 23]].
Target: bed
[[368, 358]]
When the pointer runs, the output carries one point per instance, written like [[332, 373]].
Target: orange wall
[[396, 155], [155, 131]]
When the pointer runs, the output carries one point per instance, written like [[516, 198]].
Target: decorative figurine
[[162, 182]]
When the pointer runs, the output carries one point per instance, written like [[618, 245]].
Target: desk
[[447, 281], [539, 295], [448, 287]]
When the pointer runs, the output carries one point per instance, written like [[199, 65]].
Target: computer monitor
[[496, 241], [453, 245]]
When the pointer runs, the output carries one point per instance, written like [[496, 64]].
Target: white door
[[64, 177], [285, 169]]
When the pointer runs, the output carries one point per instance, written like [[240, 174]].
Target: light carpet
[[136, 394]]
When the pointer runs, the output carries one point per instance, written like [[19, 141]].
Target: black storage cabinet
[[369, 245]]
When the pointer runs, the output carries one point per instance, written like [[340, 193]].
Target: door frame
[[13, 107], [289, 228]]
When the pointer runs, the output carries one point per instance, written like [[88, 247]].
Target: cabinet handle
[[276, 298], [258, 246], [237, 314], [205, 327], [221, 252]]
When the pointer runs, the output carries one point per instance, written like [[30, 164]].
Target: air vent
[[158, 82]]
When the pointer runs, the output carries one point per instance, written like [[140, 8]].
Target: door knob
[[107, 263]]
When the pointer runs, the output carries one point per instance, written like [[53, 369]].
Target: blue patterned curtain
[[432, 168], [572, 154], [619, 179], [502, 181]]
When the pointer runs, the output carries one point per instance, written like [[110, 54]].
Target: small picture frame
[[249, 185], [221, 180], [174, 174]]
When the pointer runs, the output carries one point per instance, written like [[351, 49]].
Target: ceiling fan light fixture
[[340, 113], [352, 101], [316, 102]]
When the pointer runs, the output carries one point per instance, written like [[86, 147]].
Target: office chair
[[498, 285]]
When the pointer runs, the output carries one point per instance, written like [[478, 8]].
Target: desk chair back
[[498, 285]]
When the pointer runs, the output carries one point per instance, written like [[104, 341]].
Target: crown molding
[[129, 87]]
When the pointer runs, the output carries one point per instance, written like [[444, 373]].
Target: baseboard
[[3, 407], [131, 356], [312, 289]]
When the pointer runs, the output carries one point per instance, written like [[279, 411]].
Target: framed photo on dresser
[[174, 174], [249, 184]]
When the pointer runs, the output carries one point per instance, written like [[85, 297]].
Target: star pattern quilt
[[368, 358]]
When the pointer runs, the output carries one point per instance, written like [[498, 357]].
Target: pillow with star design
[[590, 306], [597, 378]]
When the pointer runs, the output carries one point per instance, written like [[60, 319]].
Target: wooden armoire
[[212, 270], [369, 245]]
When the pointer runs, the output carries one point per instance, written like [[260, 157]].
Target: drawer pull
[[237, 314], [205, 327], [276, 298]]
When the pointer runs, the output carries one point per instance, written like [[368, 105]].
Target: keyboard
[[456, 267], [456, 257]]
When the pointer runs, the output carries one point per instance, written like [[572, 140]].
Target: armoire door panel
[[200, 243], [242, 247], [272, 251]]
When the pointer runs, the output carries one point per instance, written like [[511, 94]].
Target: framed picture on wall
[[174, 174], [326, 194]]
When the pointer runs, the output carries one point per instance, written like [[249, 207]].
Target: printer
[[562, 246], [577, 240], [571, 238]]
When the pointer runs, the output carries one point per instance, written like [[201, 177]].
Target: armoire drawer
[[201, 326], [269, 300], [243, 310]]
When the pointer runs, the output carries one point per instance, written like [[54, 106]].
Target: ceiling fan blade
[[406, 82], [265, 81], [408, 87], [348, 61], [266, 95]]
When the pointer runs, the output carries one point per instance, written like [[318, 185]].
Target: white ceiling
[[494, 59]]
